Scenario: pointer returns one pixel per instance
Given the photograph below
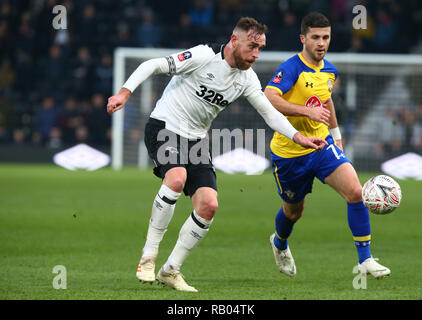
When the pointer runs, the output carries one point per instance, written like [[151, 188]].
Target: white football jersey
[[203, 84]]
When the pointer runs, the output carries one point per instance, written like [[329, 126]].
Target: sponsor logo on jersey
[[212, 96], [313, 102], [184, 56]]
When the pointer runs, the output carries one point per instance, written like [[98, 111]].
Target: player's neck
[[228, 55], [310, 60]]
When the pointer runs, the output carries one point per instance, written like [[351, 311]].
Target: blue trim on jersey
[[329, 67], [291, 70]]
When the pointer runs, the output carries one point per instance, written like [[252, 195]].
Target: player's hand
[[319, 114], [118, 101], [310, 142]]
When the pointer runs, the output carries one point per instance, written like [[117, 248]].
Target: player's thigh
[[293, 176], [167, 154], [198, 176], [205, 202], [345, 181]]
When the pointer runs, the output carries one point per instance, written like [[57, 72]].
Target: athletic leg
[[345, 181], [194, 229], [161, 215]]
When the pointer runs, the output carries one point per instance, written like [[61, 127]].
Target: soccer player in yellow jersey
[[301, 90]]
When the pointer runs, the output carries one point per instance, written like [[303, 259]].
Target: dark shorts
[[294, 176], [174, 152]]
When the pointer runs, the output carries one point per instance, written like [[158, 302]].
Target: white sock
[[193, 230], [161, 215]]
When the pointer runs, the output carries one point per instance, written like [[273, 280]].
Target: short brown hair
[[248, 23], [314, 20]]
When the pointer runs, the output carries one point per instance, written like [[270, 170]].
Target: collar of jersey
[[224, 60], [313, 67]]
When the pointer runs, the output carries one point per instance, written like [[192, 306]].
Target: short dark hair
[[314, 20], [248, 23]]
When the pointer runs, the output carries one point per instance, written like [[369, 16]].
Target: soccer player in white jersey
[[204, 82]]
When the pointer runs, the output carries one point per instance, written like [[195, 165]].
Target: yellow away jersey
[[304, 84]]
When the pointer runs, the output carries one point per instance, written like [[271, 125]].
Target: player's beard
[[239, 61], [314, 55]]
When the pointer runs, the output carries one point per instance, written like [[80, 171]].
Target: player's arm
[[279, 122], [290, 109], [143, 72], [333, 124]]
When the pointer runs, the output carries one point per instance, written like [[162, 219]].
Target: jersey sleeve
[[284, 78], [253, 85], [189, 60]]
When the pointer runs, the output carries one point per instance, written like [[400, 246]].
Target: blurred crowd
[[400, 131], [54, 84]]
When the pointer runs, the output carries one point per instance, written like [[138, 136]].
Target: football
[[381, 194]]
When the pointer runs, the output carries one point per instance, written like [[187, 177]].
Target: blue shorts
[[295, 176]]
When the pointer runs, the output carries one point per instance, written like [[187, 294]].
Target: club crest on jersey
[[237, 85], [330, 85], [313, 102], [290, 194], [278, 77], [184, 56]]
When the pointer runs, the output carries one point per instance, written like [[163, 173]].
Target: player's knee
[[208, 208], [294, 212], [355, 195], [175, 180]]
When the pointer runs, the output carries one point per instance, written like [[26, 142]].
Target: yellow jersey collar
[[313, 67]]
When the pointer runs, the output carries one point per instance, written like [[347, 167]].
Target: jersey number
[[212, 96], [338, 156]]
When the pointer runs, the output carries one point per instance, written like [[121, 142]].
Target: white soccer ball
[[381, 194]]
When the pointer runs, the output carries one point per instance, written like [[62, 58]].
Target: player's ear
[[234, 38], [302, 38]]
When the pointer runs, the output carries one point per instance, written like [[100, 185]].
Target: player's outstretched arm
[[290, 109], [310, 142], [278, 122], [143, 72]]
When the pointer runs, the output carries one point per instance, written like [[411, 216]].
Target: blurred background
[[54, 84]]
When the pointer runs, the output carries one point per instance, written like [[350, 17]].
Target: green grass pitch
[[95, 223]]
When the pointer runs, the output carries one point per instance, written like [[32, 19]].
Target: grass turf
[[95, 223]]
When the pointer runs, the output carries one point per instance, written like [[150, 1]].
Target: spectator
[[82, 135], [148, 34], [53, 73], [98, 121], [55, 138], [123, 37], [391, 133], [46, 119], [70, 119], [289, 35], [7, 75], [104, 76], [87, 27], [82, 74], [5, 39], [202, 13], [385, 32]]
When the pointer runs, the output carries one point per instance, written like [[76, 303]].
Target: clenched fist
[[118, 101]]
